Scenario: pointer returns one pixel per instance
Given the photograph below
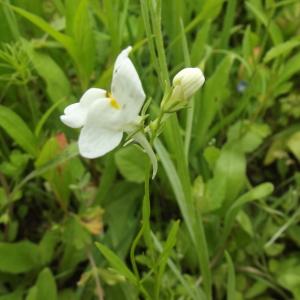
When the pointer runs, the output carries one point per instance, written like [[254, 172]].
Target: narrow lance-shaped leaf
[[17, 129], [117, 263]]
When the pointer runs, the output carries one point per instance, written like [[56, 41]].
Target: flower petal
[[126, 86], [91, 95], [102, 131], [74, 116], [76, 113]]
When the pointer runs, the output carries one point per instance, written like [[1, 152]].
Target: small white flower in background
[[187, 82], [103, 117]]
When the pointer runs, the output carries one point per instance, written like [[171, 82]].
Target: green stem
[[155, 13]]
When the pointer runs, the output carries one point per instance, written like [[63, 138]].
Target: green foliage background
[[224, 217]]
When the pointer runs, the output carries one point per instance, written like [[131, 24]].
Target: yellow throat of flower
[[113, 102]]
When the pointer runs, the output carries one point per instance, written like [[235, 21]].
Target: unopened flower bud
[[187, 82]]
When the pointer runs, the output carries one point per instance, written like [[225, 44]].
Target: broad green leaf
[[228, 180], [117, 263], [131, 162], [256, 193], [47, 245], [229, 174], [32, 295], [231, 165], [17, 129], [45, 287], [247, 136], [57, 84], [20, 257]]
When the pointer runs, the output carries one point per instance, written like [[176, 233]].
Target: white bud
[[187, 82]]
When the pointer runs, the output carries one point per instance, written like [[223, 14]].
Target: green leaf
[[281, 49], [192, 221], [84, 39], [247, 136], [17, 129], [48, 244], [293, 143], [163, 259], [20, 257], [229, 174], [131, 162], [57, 84], [65, 40], [45, 287], [230, 278], [256, 193], [289, 69], [271, 26], [245, 222], [212, 99], [228, 180], [117, 263], [32, 295], [288, 274]]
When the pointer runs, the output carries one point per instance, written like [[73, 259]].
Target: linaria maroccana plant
[[103, 116]]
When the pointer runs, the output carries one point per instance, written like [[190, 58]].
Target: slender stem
[[99, 289], [156, 22]]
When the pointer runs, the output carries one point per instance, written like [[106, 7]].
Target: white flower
[[187, 82], [102, 116]]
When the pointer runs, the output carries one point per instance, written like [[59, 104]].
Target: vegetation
[[221, 219]]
